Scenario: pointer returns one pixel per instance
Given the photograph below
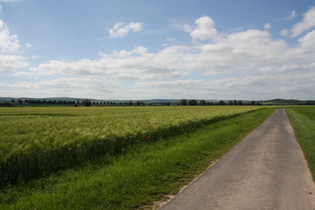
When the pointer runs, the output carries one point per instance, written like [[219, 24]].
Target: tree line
[[181, 102], [193, 102]]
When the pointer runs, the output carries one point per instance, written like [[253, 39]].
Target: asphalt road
[[266, 170]]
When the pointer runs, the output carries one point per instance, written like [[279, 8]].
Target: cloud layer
[[248, 64]]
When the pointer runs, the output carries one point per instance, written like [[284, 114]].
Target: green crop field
[[303, 121], [37, 141]]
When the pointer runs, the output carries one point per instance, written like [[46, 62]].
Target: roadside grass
[[303, 122], [135, 179]]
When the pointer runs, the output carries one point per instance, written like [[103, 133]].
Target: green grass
[[303, 122], [37, 141], [143, 174]]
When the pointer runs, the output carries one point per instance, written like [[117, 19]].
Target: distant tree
[[86, 102], [235, 102], [230, 102], [183, 102], [5, 104], [202, 102], [192, 102], [239, 103], [20, 101], [252, 102], [221, 102]]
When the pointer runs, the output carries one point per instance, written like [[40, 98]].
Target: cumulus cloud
[[240, 51], [123, 65], [205, 29], [8, 43], [120, 30], [9, 46], [307, 23]]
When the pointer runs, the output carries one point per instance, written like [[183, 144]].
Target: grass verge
[[144, 174], [303, 122]]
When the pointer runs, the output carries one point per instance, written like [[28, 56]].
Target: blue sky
[[143, 49]]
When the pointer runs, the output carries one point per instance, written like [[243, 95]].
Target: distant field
[[35, 141], [303, 121]]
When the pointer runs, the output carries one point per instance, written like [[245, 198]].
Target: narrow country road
[[266, 170]]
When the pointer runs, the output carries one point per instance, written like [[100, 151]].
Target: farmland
[[111, 152], [36, 141]]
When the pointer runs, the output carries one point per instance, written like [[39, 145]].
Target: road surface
[[266, 170]]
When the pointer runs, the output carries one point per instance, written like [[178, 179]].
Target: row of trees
[[307, 102], [193, 102], [85, 102], [49, 102], [182, 102]]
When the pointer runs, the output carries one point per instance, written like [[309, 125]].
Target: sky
[[146, 49]]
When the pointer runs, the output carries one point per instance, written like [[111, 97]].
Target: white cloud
[[240, 51], [136, 64], [307, 23], [121, 30], [291, 15], [307, 46], [8, 43], [12, 62], [205, 29], [9, 46], [267, 26]]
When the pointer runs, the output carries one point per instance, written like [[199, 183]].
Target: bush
[[86, 102], [5, 104]]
